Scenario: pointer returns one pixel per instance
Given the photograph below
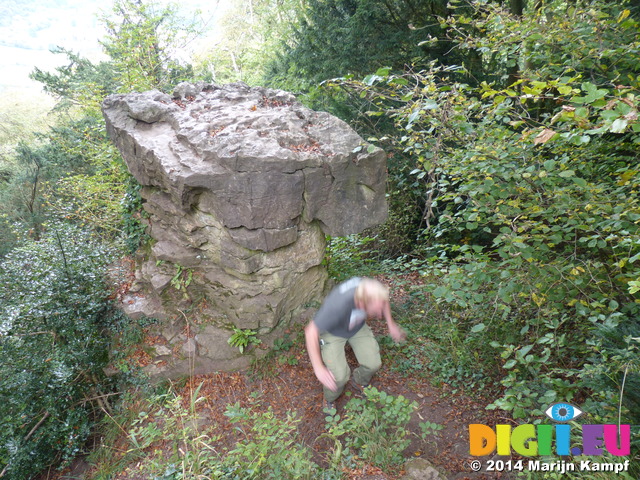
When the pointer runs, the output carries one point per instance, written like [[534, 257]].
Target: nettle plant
[[373, 427], [269, 447]]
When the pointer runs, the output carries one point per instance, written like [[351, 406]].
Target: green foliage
[[96, 200], [269, 447], [21, 192], [79, 82], [103, 457], [284, 352], [168, 433], [283, 344], [282, 347], [532, 221], [374, 427], [37, 165], [429, 429], [348, 256], [143, 40], [243, 338], [596, 40], [182, 279], [76, 173], [175, 443], [340, 37], [52, 337], [513, 204], [72, 172], [251, 33], [134, 229]]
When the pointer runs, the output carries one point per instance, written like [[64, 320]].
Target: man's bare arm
[[397, 334], [312, 339]]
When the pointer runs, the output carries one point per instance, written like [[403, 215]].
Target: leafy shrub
[[70, 172], [269, 448], [162, 428], [170, 435], [532, 243], [374, 427], [243, 338], [52, 337], [95, 201], [348, 256]]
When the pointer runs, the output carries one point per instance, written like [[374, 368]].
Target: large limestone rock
[[241, 185]]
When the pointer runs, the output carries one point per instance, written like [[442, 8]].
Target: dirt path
[[287, 384], [295, 388], [290, 386]]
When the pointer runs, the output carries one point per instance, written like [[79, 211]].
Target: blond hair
[[369, 290]]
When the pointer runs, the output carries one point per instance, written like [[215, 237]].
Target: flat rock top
[[247, 144], [238, 127]]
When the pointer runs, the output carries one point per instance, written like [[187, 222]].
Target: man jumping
[[341, 319]]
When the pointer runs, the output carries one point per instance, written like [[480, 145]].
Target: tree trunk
[[517, 9]]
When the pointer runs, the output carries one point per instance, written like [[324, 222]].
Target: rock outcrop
[[241, 185]]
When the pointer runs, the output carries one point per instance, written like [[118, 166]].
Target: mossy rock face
[[241, 186]]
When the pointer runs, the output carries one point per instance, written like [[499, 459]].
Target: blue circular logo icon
[[563, 412]]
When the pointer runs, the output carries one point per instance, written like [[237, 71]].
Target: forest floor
[[295, 389], [286, 384]]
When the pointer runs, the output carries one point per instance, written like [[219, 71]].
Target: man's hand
[[397, 334], [326, 378]]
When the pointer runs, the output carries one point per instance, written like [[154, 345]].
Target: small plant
[[270, 448], [281, 347], [283, 344], [288, 360], [374, 427], [182, 279], [242, 338], [429, 429], [167, 432]]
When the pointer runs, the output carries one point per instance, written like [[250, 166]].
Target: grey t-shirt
[[338, 314]]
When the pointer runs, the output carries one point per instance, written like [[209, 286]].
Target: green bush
[[70, 172], [55, 310], [348, 256], [373, 427], [532, 242], [269, 448]]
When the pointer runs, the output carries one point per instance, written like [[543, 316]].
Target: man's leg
[[333, 356], [367, 351]]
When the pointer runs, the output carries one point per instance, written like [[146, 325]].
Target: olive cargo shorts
[[367, 351]]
